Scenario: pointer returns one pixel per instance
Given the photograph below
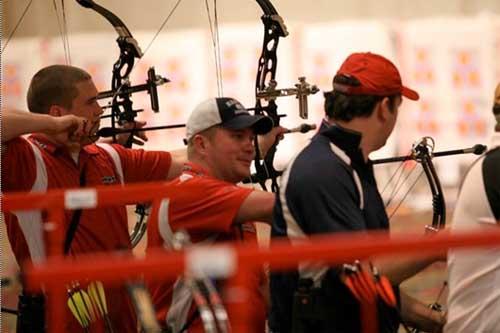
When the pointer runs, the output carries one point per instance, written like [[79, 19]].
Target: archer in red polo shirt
[[206, 202], [206, 208], [65, 115]]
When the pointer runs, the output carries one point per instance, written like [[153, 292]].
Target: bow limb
[[438, 201], [129, 48], [423, 154], [120, 27], [274, 28], [438, 214]]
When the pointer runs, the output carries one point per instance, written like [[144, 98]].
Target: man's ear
[[383, 108], [56, 111], [200, 144]]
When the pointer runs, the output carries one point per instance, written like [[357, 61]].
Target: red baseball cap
[[377, 76]]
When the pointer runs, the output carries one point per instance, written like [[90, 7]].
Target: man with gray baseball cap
[[206, 202]]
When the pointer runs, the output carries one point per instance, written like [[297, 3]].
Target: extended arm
[[399, 269], [418, 315], [16, 123], [179, 158], [258, 206]]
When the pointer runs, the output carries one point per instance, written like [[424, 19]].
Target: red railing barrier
[[113, 269], [330, 249], [281, 256]]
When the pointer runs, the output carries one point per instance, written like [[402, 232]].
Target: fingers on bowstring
[[142, 136], [139, 142], [280, 132], [76, 128], [89, 128], [134, 124]]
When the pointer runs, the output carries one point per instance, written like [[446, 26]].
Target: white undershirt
[[474, 275], [75, 156]]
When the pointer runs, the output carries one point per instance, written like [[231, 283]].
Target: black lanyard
[[75, 218]]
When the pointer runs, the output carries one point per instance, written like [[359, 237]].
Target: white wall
[[321, 35], [149, 14]]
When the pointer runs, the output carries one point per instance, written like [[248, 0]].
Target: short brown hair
[[54, 85]]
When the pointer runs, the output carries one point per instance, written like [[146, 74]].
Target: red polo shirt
[[101, 229], [205, 207]]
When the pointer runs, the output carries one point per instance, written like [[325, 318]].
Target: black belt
[[31, 317]]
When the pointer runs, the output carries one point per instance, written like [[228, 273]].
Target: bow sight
[[121, 104], [301, 91], [125, 89]]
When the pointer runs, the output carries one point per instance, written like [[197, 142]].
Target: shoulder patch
[[185, 176]]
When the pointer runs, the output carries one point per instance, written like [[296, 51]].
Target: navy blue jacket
[[327, 188]]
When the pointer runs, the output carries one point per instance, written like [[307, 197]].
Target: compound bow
[[423, 152], [265, 89]]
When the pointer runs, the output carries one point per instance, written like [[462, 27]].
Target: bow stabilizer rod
[[476, 150]]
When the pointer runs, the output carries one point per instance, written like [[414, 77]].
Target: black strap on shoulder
[[473, 164], [75, 218]]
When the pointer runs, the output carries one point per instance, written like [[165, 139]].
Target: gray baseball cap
[[228, 113]]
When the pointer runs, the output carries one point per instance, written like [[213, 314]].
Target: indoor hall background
[[448, 50]]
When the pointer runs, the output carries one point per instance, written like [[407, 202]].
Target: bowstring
[[61, 33], [174, 8], [216, 20], [214, 35], [406, 194], [398, 169], [65, 29], [18, 23], [399, 183]]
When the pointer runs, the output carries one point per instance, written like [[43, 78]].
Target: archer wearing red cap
[[367, 92], [329, 187]]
